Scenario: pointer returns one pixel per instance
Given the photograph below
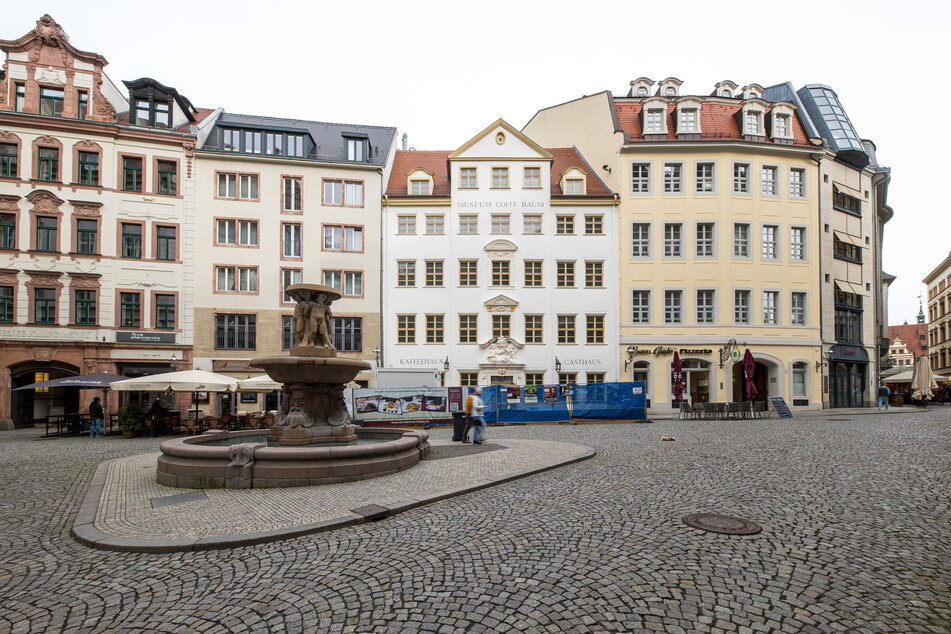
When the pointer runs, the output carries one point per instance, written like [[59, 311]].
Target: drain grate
[[169, 500], [372, 512], [716, 523]]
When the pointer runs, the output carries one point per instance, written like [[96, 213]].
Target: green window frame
[[130, 310], [132, 174], [6, 303], [131, 240], [152, 114], [165, 239], [8, 231], [85, 307], [82, 104], [165, 312], [167, 178], [88, 168], [44, 306], [87, 235], [47, 168], [8, 160], [51, 101], [47, 238]]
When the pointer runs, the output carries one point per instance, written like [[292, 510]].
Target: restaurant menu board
[[396, 405], [779, 404], [455, 399]]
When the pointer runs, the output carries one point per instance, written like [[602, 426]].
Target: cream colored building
[[719, 218], [939, 313], [284, 201]]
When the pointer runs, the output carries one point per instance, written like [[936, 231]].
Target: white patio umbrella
[[183, 381], [923, 379], [261, 383]]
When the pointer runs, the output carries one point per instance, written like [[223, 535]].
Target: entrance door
[[848, 384], [696, 380]]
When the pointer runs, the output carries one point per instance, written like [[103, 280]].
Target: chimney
[[405, 141]]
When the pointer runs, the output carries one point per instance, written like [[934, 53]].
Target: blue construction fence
[[554, 403]]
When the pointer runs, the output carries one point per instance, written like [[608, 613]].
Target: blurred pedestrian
[[96, 415], [478, 420]]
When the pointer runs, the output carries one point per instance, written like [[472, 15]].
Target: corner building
[[718, 227], [939, 314], [500, 260]]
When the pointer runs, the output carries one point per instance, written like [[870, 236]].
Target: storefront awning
[[844, 237], [850, 287]]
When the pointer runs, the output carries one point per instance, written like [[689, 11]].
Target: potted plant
[[131, 419]]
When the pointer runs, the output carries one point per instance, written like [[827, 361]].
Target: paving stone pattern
[[855, 538]]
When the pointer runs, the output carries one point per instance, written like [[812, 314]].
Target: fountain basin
[[194, 463], [307, 369]]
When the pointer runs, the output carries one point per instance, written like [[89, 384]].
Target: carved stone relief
[[45, 202]]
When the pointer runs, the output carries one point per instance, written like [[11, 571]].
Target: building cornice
[[284, 160], [46, 125], [441, 201], [759, 148]]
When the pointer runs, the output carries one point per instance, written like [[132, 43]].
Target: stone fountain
[[313, 440]]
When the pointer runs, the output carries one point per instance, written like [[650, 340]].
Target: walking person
[[883, 394], [478, 420], [96, 415], [467, 412]]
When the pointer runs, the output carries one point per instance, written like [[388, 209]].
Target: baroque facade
[[939, 313]]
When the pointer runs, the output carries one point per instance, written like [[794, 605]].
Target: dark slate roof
[[328, 137]]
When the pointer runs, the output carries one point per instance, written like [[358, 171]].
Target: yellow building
[[719, 244]]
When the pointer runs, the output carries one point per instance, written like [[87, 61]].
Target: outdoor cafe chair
[[699, 410]]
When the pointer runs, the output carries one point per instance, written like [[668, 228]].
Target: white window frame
[[768, 176], [532, 224], [741, 178], [797, 182], [673, 178], [641, 314], [673, 239], [797, 244], [769, 242], [706, 244], [701, 182], [670, 306], [770, 305], [706, 310], [641, 178], [291, 239], [742, 312], [641, 245], [797, 313], [741, 244], [435, 224]]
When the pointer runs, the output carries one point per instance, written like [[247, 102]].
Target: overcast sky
[[442, 71]]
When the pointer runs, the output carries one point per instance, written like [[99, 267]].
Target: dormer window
[[356, 149], [754, 122], [419, 187], [654, 121], [688, 117], [725, 88], [641, 91], [419, 183], [640, 87], [781, 125], [669, 87], [51, 101], [781, 122], [150, 113], [688, 120], [752, 91], [655, 117], [573, 182]]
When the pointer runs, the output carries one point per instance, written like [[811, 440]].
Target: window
[[797, 240], [770, 251], [356, 149], [44, 305], [500, 178], [287, 332], [501, 273], [20, 97], [468, 224], [152, 114], [348, 334], [88, 168], [349, 283], [797, 306], [242, 279], [534, 330], [688, 120], [673, 303], [164, 311], [848, 316], [468, 329], [434, 273], [406, 225], [566, 274], [566, 329], [594, 329], [406, 273], [248, 186], [469, 379], [343, 193], [705, 182], [242, 232], [741, 240], [640, 240], [419, 187], [132, 177], [467, 178], [533, 273], [291, 239], [842, 250], [768, 180], [534, 378], [705, 307], [289, 277], [781, 125], [130, 310], [51, 101], [754, 122], [741, 178], [235, 332], [565, 225], [165, 243], [532, 223], [574, 187], [500, 223], [567, 378], [85, 307], [167, 178], [435, 328], [293, 189], [8, 231], [8, 160], [672, 240], [131, 240], [594, 225], [654, 121], [770, 301], [47, 168], [501, 325], [533, 178], [593, 378], [435, 225], [6, 303], [673, 179], [406, 329], [87, 236], [640, 307], [797, 182], [343, 238], [47, 230], [468, 273], [594, 274], [844, 202], [640, 178], [741, 307], [704, 239], [799, 379], [82, 104], [227, 185]]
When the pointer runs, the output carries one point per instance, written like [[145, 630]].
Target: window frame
[[345, 230], [673, 177], [501, 273], [640, 179], [567, 329], [594, 274], [534, 328], [470, 275], [640, 311], [247, 332], [741, 178], [468, 328], [595, 329], [640, 245]]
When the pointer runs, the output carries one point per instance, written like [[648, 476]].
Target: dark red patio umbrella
[[749, 368], [678, 378]]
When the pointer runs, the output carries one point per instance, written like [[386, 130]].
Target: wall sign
[[661, 350], [145, 337]]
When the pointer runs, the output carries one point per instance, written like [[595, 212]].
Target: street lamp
[[173, 362], [827, 357], [557, 365], [376, 355], [445, 365]]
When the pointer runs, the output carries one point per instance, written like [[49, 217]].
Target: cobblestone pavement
[[854, 509]]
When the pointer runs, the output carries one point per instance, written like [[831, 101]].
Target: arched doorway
[[760, 380], [29, 405]]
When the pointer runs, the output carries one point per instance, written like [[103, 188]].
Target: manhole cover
[[716, 523]]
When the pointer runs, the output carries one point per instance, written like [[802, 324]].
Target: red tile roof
[[437, 163], [909, 334], [718, 120]]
